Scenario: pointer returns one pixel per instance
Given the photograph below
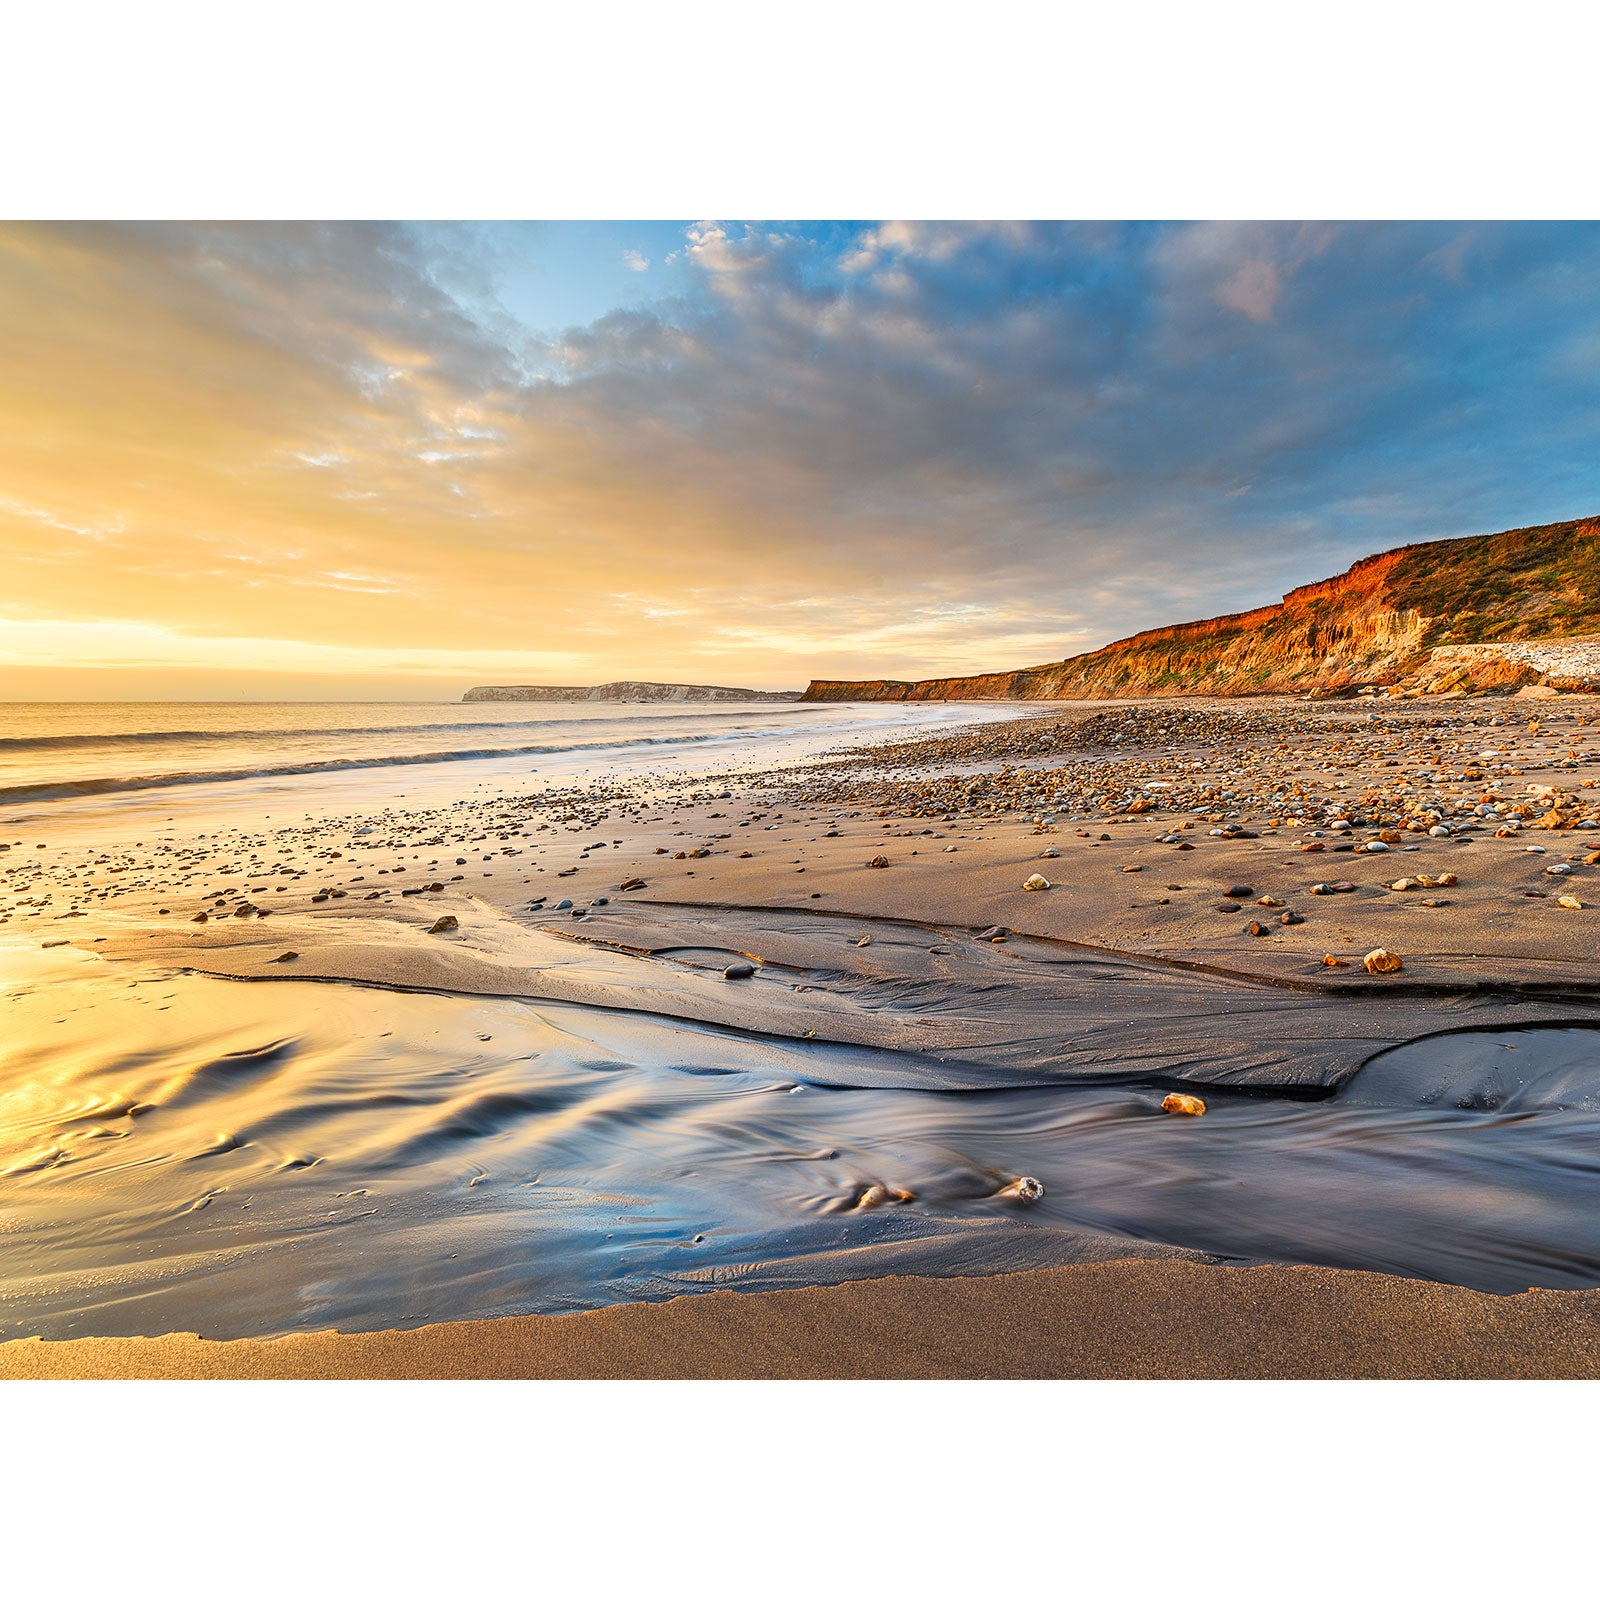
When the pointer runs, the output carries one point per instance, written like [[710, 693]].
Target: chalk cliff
[[637, 693]]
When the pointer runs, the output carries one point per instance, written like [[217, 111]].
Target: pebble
[[739, 969], [1037, 881], [1381, 960], [1184, 1105]]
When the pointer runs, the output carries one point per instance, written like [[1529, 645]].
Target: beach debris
[[739, 969], [1184, 1105], [445, 924], [1381, 960], [1036, 881]]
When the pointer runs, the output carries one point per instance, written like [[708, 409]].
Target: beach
[[666, 1029]]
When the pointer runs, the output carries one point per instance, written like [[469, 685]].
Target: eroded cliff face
[[1379, 623]]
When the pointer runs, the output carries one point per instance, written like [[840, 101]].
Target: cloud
[[635, 262], [909, 448]]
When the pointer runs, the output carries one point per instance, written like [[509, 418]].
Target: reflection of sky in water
[[187, 1153]]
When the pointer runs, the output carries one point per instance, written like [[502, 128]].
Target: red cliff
[[1378, 623]]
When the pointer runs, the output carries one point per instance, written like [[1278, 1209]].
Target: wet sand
[[1137, 966], [1158, 1320]]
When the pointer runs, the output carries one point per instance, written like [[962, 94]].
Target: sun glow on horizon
[[372, 453]]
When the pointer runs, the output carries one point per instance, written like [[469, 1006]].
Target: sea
[[63, 752]]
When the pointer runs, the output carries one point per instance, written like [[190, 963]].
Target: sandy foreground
[[1110, 1320], [1164, 834]]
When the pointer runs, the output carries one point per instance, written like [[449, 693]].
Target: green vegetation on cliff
[[1373, 624]]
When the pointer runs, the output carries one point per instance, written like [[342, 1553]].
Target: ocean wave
[[75, 788], [170, 736]]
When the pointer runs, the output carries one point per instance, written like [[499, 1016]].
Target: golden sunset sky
[[375, 460]]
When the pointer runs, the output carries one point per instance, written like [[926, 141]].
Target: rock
[[1559, 870], [740, 969], [1571, 902], [1184, 1105], [1037, 881], [1133, 867], [1334, 961], [1044, 855], [1228, 905], [1269, 900], [445, 924], [632, 883], [883, 861], [1291, 919], [1381, 960], [1256, 930], [1027, 1190], [1404, 884], [200, 916], [288, 955], [1240, 891]]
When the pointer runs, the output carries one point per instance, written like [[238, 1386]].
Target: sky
[[391, 461]]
